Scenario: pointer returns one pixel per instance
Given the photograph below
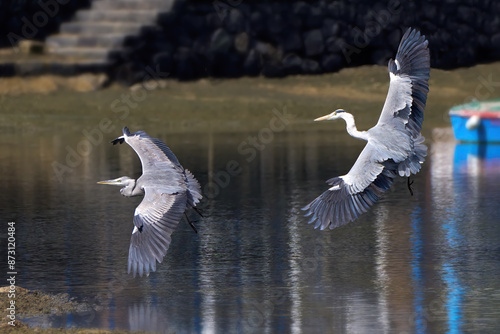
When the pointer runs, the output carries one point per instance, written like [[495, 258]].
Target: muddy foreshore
[[21, 303]]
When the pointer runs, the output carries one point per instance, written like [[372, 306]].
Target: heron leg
[[409, 183], [197, 211], [190, 223]]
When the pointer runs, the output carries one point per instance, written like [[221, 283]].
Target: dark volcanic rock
[[495, 41], [193, 24], [235, 21], [241, 42], [314, 18], [313, 42], [227, 38], [186, 65], [292, 64], [301, 8], [167, 20], [252, 64], [213, 21], [273, 70], [257, 24], [332, 62], [291, 41], [275, 24], [310, 66], [220, 42], [163, 61], [330, 28]]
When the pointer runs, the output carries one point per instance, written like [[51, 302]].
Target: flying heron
[[169, 190], [394, 145]]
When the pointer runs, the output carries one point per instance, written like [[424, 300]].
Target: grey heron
[[168, 189], [394, 145]]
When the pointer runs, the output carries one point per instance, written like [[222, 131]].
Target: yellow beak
[[322, 118], [107, 182]]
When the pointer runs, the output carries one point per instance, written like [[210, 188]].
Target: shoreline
[[37, 303]]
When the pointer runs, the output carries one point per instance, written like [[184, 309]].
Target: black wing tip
[[413, 33], [412, 57], [412, 38], [121, 139], [118, 140]]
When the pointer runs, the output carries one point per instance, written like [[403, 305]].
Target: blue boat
[[477, 121]]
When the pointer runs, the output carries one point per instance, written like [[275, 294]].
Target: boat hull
[[488, 129]]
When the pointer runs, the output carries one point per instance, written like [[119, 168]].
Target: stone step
[[91, 54], [119, 15], [89, 42], [100, 27], [163, 5], [114, 40]]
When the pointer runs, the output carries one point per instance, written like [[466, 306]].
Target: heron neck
[[131, 190], [351, 127]]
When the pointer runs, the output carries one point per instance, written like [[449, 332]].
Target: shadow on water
[[427, 263]]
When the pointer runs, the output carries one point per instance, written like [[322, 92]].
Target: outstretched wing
[[387, 153], [352, 194], [409, 75], [155, 219], [160, 162], [152, 151], [194, 189]]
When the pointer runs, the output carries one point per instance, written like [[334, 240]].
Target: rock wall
[[231, 38], [34, 19]]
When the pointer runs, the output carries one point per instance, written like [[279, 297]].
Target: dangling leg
[[190, 223], [197, 211], [409, 183]]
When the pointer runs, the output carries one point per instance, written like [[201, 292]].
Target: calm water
[[427, 264]]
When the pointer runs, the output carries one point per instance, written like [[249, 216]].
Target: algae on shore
[[30, 303]]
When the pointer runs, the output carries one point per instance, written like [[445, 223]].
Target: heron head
[[121, 181], [128, 184], [334, 115]]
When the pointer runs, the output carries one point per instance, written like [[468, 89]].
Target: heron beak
[[322, 118], [112, 182]]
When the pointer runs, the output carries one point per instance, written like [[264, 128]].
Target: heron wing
[[155, 219], [352, 194], [152, 151], [194, 188], [408, 88]]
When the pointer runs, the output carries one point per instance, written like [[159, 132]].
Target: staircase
[[94, 33]]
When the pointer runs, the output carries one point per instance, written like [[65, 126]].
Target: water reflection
[[421, 264], [465, 176]]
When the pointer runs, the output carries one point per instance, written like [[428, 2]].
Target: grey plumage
[[394, 144], [168, 189]]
